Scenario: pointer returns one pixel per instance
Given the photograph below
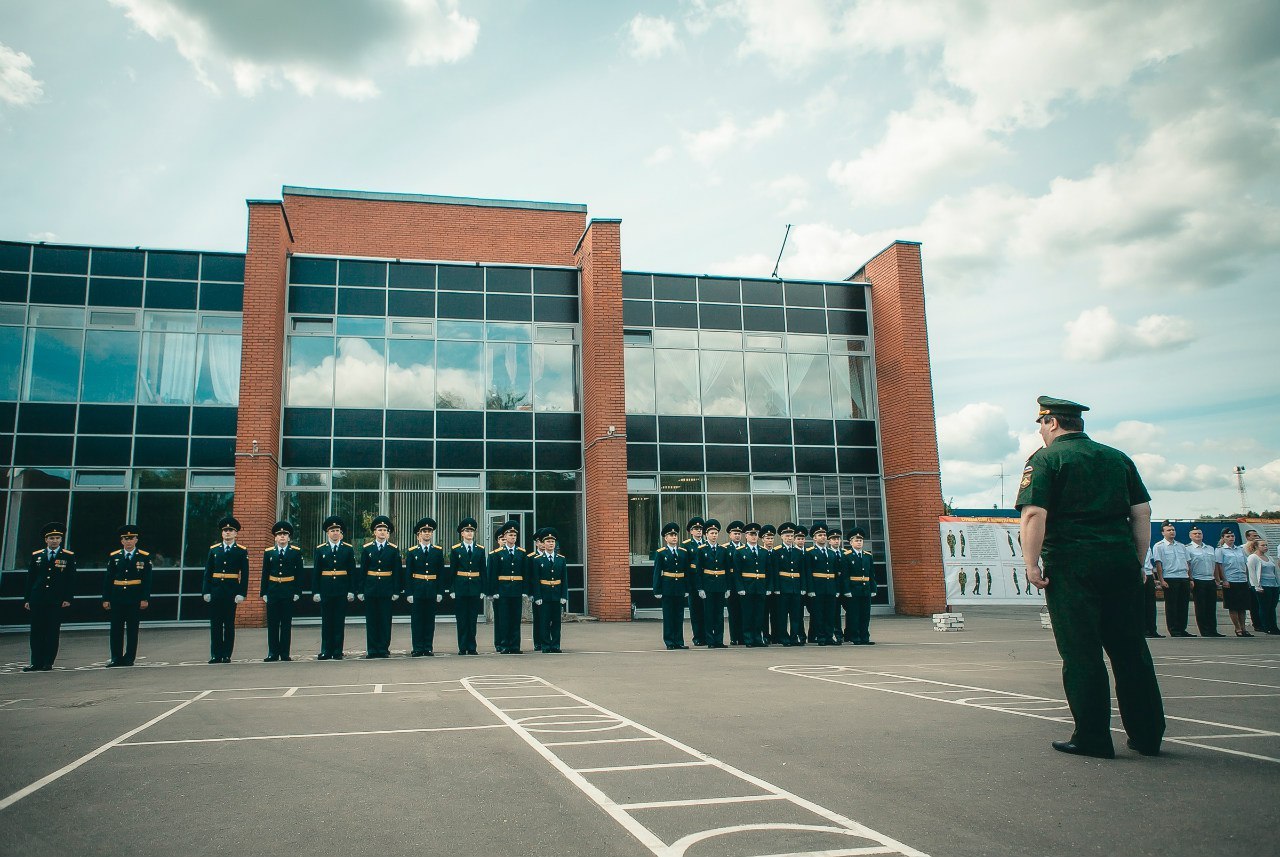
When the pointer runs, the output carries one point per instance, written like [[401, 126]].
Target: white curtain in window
[[722, 391], [220, 359]]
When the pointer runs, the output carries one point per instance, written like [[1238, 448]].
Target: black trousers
[[536, 611], [735, 617], [222, 627], [333, 624], [822, 612], [506, 623], [1266, 601], [279, 625], [466, 607], [1205, 596], [792, 606], [125, 619], [549, 615], [422, 622], [1176, 599], [713, 618], [857, 618], [46, 627], [697, 619], [777, 617], [1149, 606], [753, 619], [672, 619], [377, 624]]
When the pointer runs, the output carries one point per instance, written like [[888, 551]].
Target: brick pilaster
[[908, 428], [599, 256]]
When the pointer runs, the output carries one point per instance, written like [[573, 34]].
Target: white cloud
[[1159, 475], [713, 142], [650, 37], [976, 432], [660, 155], [1096, 335], [17, 86], [1132, 436], [42, 236], [330, 48], [1263, 485]]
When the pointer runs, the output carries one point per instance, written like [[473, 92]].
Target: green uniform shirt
[[1087, 489]]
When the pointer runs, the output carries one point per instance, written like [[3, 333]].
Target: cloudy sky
[[1095, 184]]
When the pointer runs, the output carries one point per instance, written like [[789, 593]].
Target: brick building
[[416, 355]]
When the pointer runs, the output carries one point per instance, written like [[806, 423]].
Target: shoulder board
[[33, 553], [778, 547], [847, 552], [348, 544], [116, 553], [458, 545], [740, 547], [704, 546], [392, 544], [685, 550], [215, 545], [437, 547], [686, 541], [495, 550], [366, 544], [143, 553], [806, 550], [294, 548], [268, 550], [322, 544], [866, 553], [68, 553], [532, 553]]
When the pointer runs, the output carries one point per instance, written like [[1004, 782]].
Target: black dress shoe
[[671, 648], [416, 653], [1213, 634], [1146, 751], [429, 654], [868, 643], [226, 660], [46, 669], [215, 660], [472, 652], [128, 662], [682, 646], [339, 656], [285, 658], [1155, 636], [1076, 750], [115, 663], [1182, 634], [31, 668], [323, 656], [368, 656], [270, 659]]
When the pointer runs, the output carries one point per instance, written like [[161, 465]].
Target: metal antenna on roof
[[780, 249]]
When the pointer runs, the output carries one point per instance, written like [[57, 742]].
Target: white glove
[[564, 602], [538, 602], [657, 595], [351, 597], [296, 597], [702, 593], [812, 594], [316, 598], [395, 597], [360, 596], [208, 598], [526, 595], [264, 598], [239, 599], [409, 598], [439, 598], [742, 592], [496, 596]]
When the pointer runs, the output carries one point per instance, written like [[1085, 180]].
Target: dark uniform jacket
[[282, 576], [334, 573], [789, 570], [226, 572], [751, 570], [50, 583], [672, 575], [127, 580], [823, 569], [715, 568], [550, 577], [466, 570], [381, 570], [424, 571], [508, 572], [860, 576]]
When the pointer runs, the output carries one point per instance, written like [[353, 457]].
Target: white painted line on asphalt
[[705, 801], [310, 686], [87, 757], [1226, 750], [1219, 680], [311, 735], [290, 692], [1241, 735], [547, 708], [680, 846], [596, 741], [609, 768], [377, 688], [1226, 696], [526, 696]]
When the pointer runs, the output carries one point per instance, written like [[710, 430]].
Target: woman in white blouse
[[1234, 573], [1264, 582]]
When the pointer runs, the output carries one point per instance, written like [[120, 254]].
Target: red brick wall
[[424, 230], [908, 429], [261, 386], [604, 405]]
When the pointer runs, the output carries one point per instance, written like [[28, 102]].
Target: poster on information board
[[982, 560]]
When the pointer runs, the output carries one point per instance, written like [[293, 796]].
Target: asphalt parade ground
[[927, 743]]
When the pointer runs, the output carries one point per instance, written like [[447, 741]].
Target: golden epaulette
[[116, 553], [67, 552], [495, 550], [294, 547], [458, 545], [142, 553], [366, 544]]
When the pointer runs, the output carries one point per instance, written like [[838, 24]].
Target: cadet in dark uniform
[[823, 570], [1085, 509], [425, 585], [714, 578], [508, 584], [732, 599], [281, 585], [226, 582], [775, 619], [697, 615], [381, 577], [791, 588], [860, 586], [466, 582], [549, 586], [126, 592], [51, 574], [835, 544], [671, 573], [751, 579], [333, 582]]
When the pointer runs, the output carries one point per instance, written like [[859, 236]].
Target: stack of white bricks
[[948, 621], [1044, 620]]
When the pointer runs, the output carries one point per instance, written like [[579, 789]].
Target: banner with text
[[982, 560]]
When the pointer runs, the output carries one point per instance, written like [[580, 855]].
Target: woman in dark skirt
[[1237, 597]]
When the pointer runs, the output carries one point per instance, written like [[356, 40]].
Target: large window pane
[[459, 379], [218, 370], [555, 377], [358, 509], [406, 509], [168, 366], [204, 509], [729, 507], [53, 365], [773, 509], [96, 517], [452, 507], [306, 510], [766, 384], [360, 372], [411, 373], [310, 372], [851, 387], [676, 371], [110, 366], [11, 357], [159, 516], [722, 393], [644, 527], [29, 510], [638, 370], [810, 385], [563, 512], [507, 366]]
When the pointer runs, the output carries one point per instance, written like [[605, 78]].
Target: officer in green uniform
[[697, 616], [789, 568], [751, 580], [671, 573], [126, 592], [823, 566], [333, 584], [713, 580], [860, 588], [425, 587], [1085, 510], [732, 600], [51, 576], [508, 585], [281, 586], [549, 588], [466, 582], [381, 572], [226, 582]]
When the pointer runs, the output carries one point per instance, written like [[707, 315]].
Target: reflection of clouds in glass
[[555, 386], [311, 386], [359, 373], [459, 378], [638, 372], [508, 367], [677, 380], [411, 375], [722, 392], [810, 386]]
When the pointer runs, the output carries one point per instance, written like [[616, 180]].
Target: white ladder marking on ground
[[596, 741], [650, 766], [290, 692], [837, 824], [311, 735], [705, 801], [66, 769]]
